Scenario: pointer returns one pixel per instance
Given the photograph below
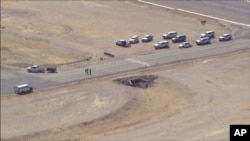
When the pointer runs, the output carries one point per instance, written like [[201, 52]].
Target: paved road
[[221, 97], [162, 129], [10, 77], [230, 10], [233, 10], [239, 11]]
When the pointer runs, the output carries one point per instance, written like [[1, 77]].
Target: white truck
[[36, 68]]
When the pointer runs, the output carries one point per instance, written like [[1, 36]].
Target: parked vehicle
[[185, 45], [169, 35], [134, 39], [203, 41], [23, 89], [161, 44], [225, 37], [179, 38], [51, 69], [35, 69], [209, 34], [147, 38], [122, 43]]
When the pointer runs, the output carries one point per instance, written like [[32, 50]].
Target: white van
[[22, 89]]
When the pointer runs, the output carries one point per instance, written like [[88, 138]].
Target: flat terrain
[[62, 32], [201, 97], [232, 10], [196, 100]]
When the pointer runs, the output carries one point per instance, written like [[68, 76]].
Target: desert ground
[[64, 32], [201, 97], [205, 91]]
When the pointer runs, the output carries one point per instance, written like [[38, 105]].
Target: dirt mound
[[142, 81]]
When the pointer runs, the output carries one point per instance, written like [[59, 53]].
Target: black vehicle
[[51, 69], [23, 89], [179, 38]]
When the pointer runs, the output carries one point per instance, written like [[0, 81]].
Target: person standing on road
[[90, 71], [86, 71]]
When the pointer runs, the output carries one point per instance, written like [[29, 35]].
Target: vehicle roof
[[35, 66], [135, 36], [148, 35], [163, 42], [205, 38], [121, 40], [180, 35], [210, 31], [22, 85], [172, 32]]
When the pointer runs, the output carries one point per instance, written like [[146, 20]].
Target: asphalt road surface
[[10, 77], [202, 117], [232, 10], [221, 88]]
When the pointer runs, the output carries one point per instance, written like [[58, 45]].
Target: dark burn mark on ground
[[141, 81]]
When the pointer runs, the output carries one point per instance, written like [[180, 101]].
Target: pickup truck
[[36, 69], [39, 69]]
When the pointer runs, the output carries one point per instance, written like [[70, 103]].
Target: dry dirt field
[[62, 32], [84, 111], [204, 92]]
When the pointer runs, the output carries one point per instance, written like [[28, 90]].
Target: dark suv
[[179, 38]]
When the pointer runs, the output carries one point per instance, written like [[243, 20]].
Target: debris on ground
[[142, 81]]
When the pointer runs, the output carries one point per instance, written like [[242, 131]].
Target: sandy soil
[[52, 32], [84, 111], [61, 32], [88, 110], [220, 87]]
